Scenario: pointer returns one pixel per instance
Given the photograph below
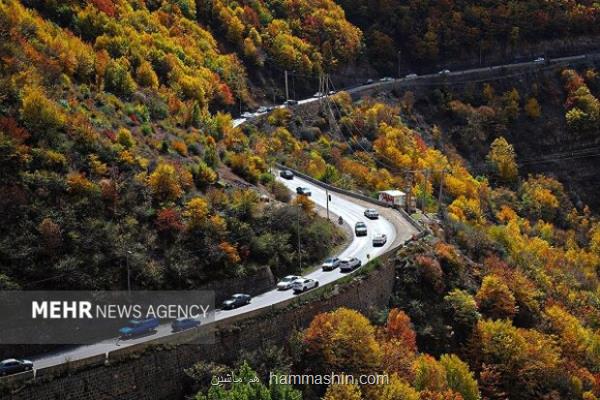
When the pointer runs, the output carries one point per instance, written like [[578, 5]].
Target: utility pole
[[399, 63], [424, 195], [328, 197], [299, 252], [440, 193], [287, 88], [408, 191], [128, 272]]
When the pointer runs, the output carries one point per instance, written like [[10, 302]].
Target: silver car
[[350, 264], [371, 213], [287, 282], [330, 264], [379, 240]]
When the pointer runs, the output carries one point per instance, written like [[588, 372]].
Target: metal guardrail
[[355, 195]]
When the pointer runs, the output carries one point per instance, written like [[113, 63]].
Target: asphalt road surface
[[361, 247]]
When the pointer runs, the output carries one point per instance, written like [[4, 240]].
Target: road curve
[[350, 210]]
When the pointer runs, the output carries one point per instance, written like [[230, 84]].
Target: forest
[[117, 150]]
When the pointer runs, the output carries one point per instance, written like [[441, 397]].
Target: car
[[411, 76], [286, 174], [14, 366], [331, 93], [360, 228], [444, 72], [330, 264], [287, 282], [262, 110], [270, 108], [290, 102], [349, 264], [371, 213], [539, 60], [247, 114], [303, 191], [368, 81], [379, 240], [386, 79], [183, 324], [236, 301], [136, 327], [304, 284], [318, 94]]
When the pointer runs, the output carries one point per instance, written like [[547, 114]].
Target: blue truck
[[136, 327]]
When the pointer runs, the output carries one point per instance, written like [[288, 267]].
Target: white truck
[[393, 197]]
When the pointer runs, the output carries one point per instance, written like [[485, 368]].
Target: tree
[[399, 327], [511, 101], [533, 108], [463, 311], [343, 391], [51, 236], [196, 212], [342, 340], [429, 374], [502, 160], [164, 183], [395, 389], [459, 377], [146, 76], [40, 115], [495, 298], [125, 138]]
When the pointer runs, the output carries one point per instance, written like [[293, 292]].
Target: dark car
[[136, 327], [286, 174], [237, 300], [360, 229], [303, 191], [14, 366], [182, 324], [350, 264]]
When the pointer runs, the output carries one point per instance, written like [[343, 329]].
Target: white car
[[318, 94], [371, 213], [539, 60], [262, 110], [386, 79], [247, 114], [444, 72], [287, 282], [350, 264], [331, 92], [379, 240], [411, 76], [304, 284]]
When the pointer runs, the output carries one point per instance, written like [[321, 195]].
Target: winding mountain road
[[390, 223]]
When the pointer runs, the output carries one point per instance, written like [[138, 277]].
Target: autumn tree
[[342, 341], [429, 374], [343, 391], [459, 377], [495, 299], [502, 161], [164, 183], [40, 115], [398, 327]]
